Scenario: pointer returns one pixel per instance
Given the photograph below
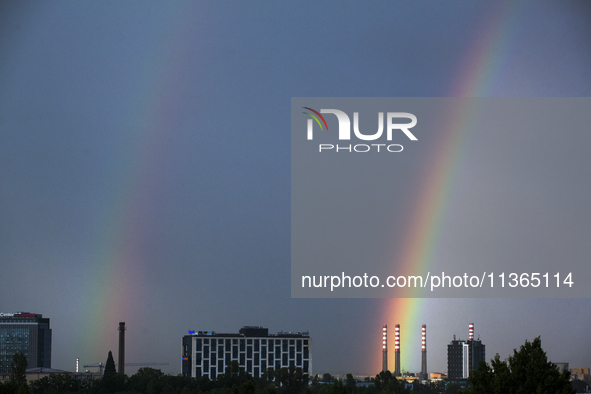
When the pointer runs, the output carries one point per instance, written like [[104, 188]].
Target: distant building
[[206, 353], [581, 374], [463, 356], [562, 366], [26, 333]]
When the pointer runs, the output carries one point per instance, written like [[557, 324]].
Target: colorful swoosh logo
[[315, 118]]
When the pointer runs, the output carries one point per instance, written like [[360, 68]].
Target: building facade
[[26, 333], [463, 356], [206, 353]]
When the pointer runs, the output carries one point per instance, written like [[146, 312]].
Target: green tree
[[526, 371], [19, 369], [385, 382], [142, 378], [24, 389], [350, 384], [248, 387], [452, 388], [110, 365]]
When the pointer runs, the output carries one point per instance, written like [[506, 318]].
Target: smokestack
[[397, 350], [424, 351], [121, 366], [385, 348], [471, 331]]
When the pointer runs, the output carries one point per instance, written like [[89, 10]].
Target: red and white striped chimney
[[471, 331], [385, 348], [424, 351], [397, 350]]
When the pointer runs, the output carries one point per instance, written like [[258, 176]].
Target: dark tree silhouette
[[19, 369], [526, 371], [110, 365]]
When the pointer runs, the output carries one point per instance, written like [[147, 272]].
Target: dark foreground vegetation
[[233, 381], [527, 371]]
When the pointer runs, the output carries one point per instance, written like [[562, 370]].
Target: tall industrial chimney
[[397, 350], [424, 351], [385, 348], [471, 331], [121, 366]]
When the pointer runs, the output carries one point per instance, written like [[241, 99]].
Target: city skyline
[[145, 170]]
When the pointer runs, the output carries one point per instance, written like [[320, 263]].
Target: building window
[[285, 345], [213, 373], [284, 359], [306, 365], [213, 348], [228, 345], [242, 345], [234, 352], [249, 341], [256, 345], [270, 358], [213, 359], [234, 341], [306, 342], [277, 351], [292, 342], [228, 359], [263, 352], [206, 340], [299, 360], [256, 359], [306, 353], [249, 352], [249, 366], [242, 359], [205, 351], [198, 372], [292, 352], [271, 344], [277, 365], [198, 345], [299, 345], [263, 365]]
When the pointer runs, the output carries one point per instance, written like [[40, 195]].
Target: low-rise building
[[206, 353]]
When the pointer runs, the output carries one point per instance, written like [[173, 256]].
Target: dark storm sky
[[145, 163]]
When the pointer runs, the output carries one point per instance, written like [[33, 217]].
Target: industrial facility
[[463, 356]]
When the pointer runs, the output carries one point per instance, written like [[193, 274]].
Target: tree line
[[527, 371]]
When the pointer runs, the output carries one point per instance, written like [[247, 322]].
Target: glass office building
[[27, 333]]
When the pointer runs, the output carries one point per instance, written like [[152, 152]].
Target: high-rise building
[[26, 333], [463, 356], [206, 353]]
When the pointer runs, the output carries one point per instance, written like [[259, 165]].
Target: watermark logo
[[392, 120]]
